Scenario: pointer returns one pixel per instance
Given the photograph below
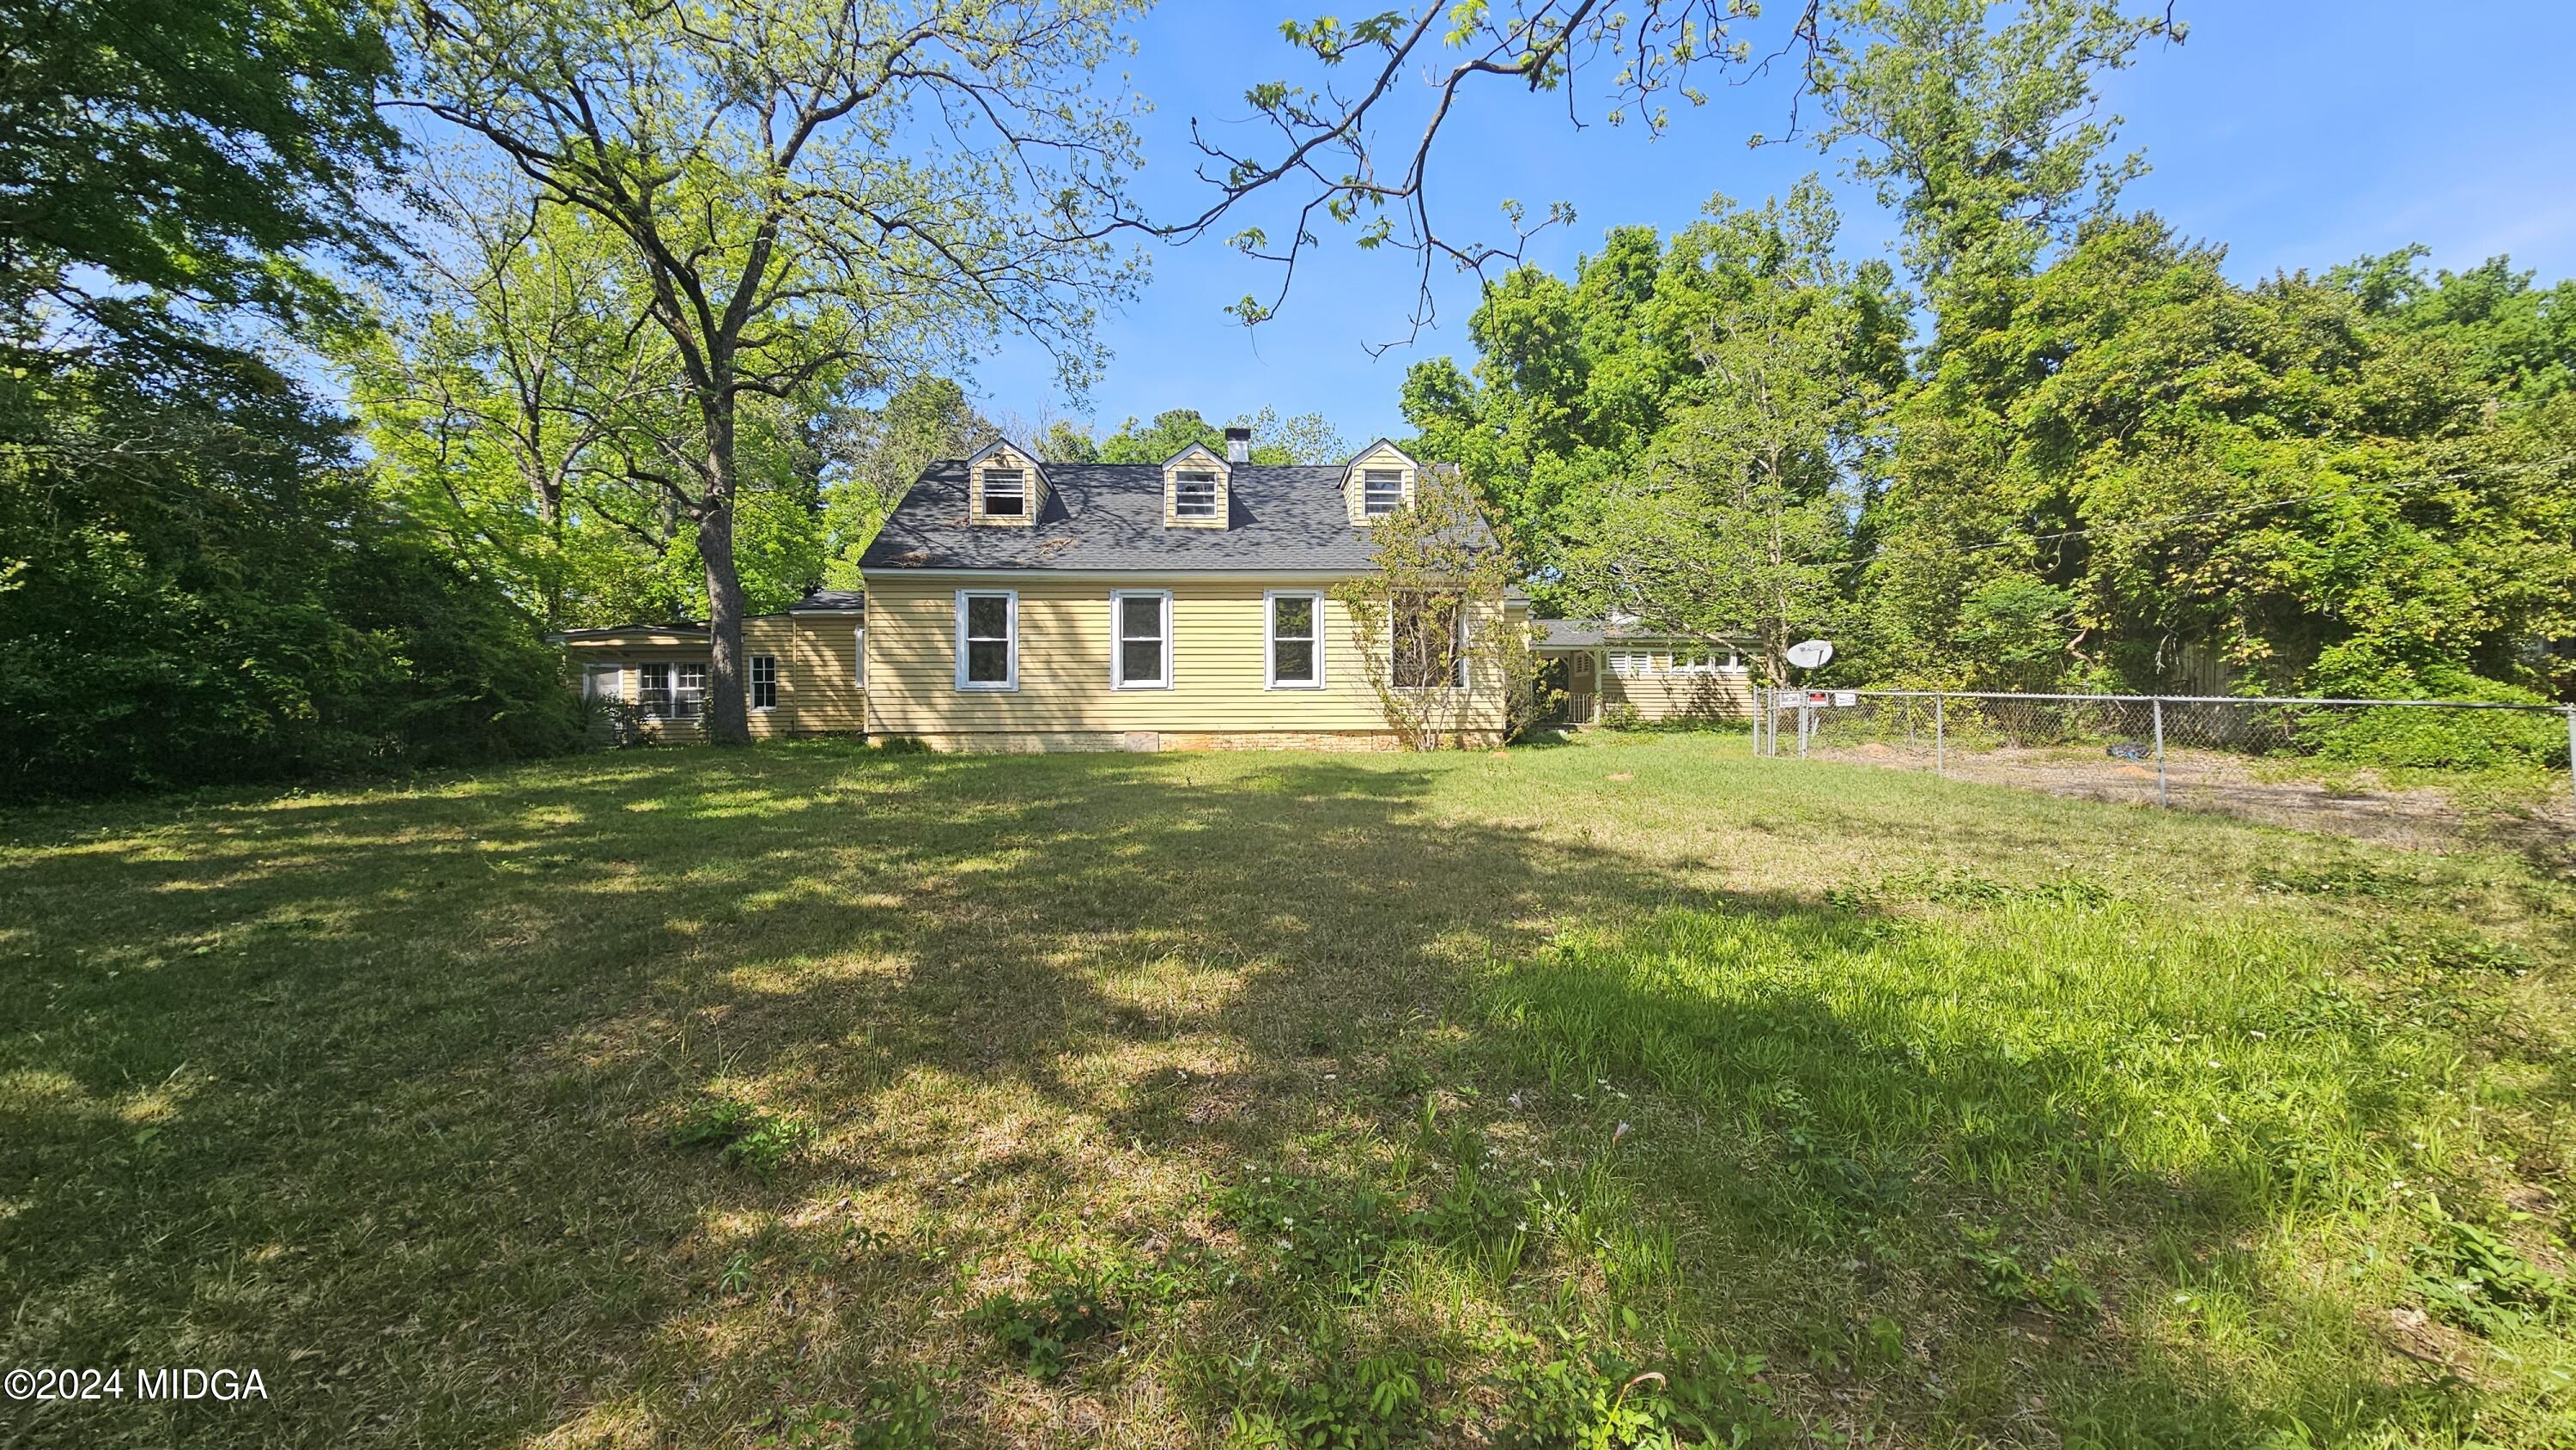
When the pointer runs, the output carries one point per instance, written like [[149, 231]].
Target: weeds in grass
[[750, 1139], [1574, 1393], [2060, 1288], [2466, 1275], [1075, 1297], [2450, 949], [1347, 1402], [892, 1415], [1333, 1234]]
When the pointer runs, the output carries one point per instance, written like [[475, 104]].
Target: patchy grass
[[1572, 1096]]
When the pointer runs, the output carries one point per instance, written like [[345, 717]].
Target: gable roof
[[997, 443], [1200, 449], [1109, 516]]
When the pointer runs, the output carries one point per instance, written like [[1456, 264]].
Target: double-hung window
[[988, 639], [1194, 495], [1296, 652], [1430, 642], [604, 683], [671, 691], [1630, 664], [1381, 491], [764, 682], [1006, 493], [1140, 625]]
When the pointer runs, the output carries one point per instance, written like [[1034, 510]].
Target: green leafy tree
[[818, 193], [1305, 438], [874, 455], [1428, 624], [167, 162], [1734, 525]]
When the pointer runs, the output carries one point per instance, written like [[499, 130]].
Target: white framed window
[[988, 639], [669, 690], [1694, 662], [1293, 655], [1194, 495], [1430, 645], [1381, 491], [603, 682], [859, 658], [764, 682], [1006, 493], [1629, 664], [1140, 639]]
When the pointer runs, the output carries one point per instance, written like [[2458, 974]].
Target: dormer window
[[1194, 489], [1006, 492], [1006, 486], [1378, 482]]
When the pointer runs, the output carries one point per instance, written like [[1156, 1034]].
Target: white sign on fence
[[1846, 698]]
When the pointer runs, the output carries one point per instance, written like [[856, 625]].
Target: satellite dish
[[1810, 654]]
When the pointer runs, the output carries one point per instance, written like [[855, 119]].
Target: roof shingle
[[1109, 516]]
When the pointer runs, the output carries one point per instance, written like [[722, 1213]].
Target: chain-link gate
[[2296, 760]]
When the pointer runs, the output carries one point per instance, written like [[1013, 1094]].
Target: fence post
[[2158, 705], [1940, 742]]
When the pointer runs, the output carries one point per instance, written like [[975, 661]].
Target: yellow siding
[[1064, 700], [816, 659], [1697, 696]]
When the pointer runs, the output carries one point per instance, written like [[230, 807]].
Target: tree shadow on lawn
[[375, 1092]]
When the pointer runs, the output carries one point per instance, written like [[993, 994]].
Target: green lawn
[[815, 1096]]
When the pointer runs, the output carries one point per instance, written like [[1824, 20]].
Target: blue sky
[[2297, 133]]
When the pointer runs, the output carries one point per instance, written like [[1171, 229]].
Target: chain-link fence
[[2398, 769]]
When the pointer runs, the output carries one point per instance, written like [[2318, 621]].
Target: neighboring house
[[1601, 666], [802, 671], [1021, 605]]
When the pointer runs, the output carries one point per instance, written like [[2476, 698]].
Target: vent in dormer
[[1379, 481], [1005, 486], [1196, 489]]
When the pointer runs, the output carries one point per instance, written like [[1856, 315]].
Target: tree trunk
[[728, 713]]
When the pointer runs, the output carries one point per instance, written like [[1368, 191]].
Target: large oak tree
[[809, 188]]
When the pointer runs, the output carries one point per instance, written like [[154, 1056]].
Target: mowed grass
[[1575, 1095]]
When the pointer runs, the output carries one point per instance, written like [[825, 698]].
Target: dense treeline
[[197, 582], [2107, 465]]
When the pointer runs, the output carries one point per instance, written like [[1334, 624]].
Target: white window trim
[[615, 674], [751, 682], [1270, 639], [1400, 492], [1011, 638], [859, 657], [1118, 639]]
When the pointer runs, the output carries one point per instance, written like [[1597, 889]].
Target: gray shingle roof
[[1110, 516], [831, 601]]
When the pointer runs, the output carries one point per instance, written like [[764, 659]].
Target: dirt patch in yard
[[2361, 804]]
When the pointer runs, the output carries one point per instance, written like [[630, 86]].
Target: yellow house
[[1014, 604], [1609, 669], [803, 670]]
